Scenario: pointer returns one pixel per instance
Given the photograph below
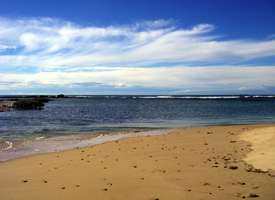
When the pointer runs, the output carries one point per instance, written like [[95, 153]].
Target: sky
[[137, 47]]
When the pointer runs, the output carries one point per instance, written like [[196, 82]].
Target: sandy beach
[[219, 162]]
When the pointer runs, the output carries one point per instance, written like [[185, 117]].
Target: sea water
[[68, 120]]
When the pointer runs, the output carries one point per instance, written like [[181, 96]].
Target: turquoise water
[[80, 121], [76, 115]]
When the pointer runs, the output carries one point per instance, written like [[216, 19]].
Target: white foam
[[40, 138], [157, 97], [203, 97], [189, 97], [61, 143], [10, 145]]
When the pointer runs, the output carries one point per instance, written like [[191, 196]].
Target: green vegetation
[[30, 104]]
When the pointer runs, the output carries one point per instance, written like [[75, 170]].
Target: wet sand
[[192, 163]]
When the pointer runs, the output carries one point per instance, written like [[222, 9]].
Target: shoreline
[[62, 143], [193, 163], [90, 138]]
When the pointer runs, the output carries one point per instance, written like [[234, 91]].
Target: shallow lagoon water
[[72, 118]]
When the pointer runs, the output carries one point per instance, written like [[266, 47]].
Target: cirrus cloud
[[148, 56], [49, 43]]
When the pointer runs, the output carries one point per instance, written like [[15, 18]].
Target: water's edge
[[40, 145]]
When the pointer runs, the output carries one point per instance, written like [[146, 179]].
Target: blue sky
[[137, 47]]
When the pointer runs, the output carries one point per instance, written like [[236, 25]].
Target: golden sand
[[263, 145], [191, 163]]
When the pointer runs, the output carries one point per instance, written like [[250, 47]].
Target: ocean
[[84, 120]]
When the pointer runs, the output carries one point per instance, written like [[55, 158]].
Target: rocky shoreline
[[6, 106], [23, 104], [26, 103]]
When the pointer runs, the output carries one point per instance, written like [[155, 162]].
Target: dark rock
[[60, 96], [233, 167], [28, 104], [253, 195]]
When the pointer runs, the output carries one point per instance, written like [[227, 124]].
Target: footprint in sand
[[233, 167], [241, 183], [253, 195], [219, 187]]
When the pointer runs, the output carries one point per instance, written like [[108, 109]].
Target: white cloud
[[176, 78], [70, 55], [50, 43]]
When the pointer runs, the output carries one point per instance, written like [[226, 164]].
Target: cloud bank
[[150, 56]]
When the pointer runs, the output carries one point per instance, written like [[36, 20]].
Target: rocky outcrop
[[6, 106], [36, 103]]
